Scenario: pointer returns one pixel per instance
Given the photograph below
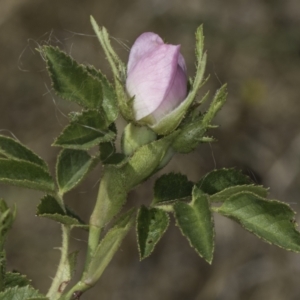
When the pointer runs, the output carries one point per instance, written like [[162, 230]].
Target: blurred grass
[[254, 46]]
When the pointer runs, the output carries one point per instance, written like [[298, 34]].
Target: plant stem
[[60, 280], [76, 291], [93, 242]]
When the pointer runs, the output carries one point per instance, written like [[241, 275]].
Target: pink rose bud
[[156, 77]]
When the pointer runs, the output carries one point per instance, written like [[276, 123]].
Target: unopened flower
[[156, 78]]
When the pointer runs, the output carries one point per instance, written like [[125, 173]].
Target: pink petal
[[151, 75], [176, 94], [143, 45]]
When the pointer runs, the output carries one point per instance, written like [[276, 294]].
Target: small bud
[[156, 78]]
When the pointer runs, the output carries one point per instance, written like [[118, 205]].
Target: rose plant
[[159, 103]]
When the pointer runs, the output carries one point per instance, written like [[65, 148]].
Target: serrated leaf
[[7, 217], [85, 131], [72, 167], [2, 268], [25, 174], [221, 179], [196, 223], [72, 81], [107, 248], [49, 208], [171, 187], [20, 293], [271, 220], [109, 104], [227, 193], [151, 225], [13, 279], [108, 155], [10, 148]]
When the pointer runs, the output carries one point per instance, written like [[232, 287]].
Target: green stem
[[59, 282], [76, 291], [93, 242]]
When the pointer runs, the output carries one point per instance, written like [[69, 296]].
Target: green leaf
[[85, 131], [227, 193], [25, 174], [273, 221], [2, 269], [72, 167], [72, 81], [151, 225], [49, 208], [110, 104], [108, 247], [13, 279], [10, 148], [107, 150], [196, 223], [20, 293], [171, 187], [7, 217], [108, 156], [219, 180]]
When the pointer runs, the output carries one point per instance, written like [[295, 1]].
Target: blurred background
[[254, 46]]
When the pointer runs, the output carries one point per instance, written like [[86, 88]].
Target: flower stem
[[61, 279]]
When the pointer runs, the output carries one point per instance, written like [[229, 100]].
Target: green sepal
[[192, 133], [72, 81], [151, 224], [218, 180], [196, 223], [13, 149], [119, 71], [49, 208], [109, 104], [72, 167], [108, 247], [270, 220], [134, 137], [172, 187], [25, 174], [230, 191], [190, 136], [85, 131], [146, 160]]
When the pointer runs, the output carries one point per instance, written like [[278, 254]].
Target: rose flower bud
[[156, 78]]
